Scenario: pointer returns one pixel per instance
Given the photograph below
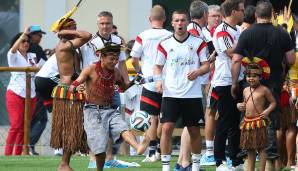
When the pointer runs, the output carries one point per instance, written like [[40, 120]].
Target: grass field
[[50, 163]]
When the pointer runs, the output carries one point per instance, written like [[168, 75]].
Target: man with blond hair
[[145, 49]]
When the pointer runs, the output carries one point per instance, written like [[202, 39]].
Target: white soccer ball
[[140, 121]]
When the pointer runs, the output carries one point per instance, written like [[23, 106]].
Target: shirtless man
[[101, 121], [254, 135], [67, 125]]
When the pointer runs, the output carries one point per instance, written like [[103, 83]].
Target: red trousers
[[16, 107]]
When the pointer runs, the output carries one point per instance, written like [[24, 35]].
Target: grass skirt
[[67, 125], [254, 135]]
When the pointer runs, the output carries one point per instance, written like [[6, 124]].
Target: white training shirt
[[145, 48], [49, 69], [225, 37], [197, 30], [17, 82], [180, 58], [89, 49]]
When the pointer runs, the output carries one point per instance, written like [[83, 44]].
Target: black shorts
[[44, 88], [189, 109], [213, 100], [150, 102]]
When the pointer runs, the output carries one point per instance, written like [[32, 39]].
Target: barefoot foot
[[64, 167]]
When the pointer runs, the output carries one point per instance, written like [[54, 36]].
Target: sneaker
[[229, 162], [92, 164], [177, 167], [32, 152], [150, 159], [240, 167], [188, 168], [157, 156], [114, 164], [223, 167], [207, 160]]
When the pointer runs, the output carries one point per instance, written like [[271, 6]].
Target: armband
[[75, 83]]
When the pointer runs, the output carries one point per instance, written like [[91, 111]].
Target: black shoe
[[32, 152]]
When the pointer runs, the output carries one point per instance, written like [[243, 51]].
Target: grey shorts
[[208, 97], [100, 124]]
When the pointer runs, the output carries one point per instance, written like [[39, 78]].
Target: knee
[[166, 130]]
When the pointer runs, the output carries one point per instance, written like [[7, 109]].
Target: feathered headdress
[[260, 66], [63, 20]]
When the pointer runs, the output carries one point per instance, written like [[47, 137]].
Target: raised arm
[[272, 103], [81, 37], [23, 37]]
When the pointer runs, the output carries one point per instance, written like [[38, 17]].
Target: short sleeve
[[286, 42], [202, 52], [11, 58], [241, 44], [137, 49], [225, 41], [161, 55]]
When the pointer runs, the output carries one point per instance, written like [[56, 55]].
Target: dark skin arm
[[272, 103], [81, 37]]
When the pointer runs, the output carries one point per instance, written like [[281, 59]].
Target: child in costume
[[254, 125]]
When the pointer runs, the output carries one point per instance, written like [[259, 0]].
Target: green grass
[[50, 163]]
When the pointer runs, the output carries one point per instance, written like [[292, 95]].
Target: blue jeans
[[38, 123]]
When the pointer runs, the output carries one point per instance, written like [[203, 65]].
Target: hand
[[139, 79], [71, 88], [192, 75], [241, 106], [234, 90], [158, 86], [212, 56], [286, 15], [26, 31], [81, 88], [264, 115]]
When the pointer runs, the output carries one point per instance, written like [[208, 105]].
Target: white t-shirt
[[180, 58], [88, 50], [197, 30], [225, 37], [17, 82], [49, 69], [145, 48]]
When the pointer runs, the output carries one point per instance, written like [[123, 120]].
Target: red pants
[[16, 107]]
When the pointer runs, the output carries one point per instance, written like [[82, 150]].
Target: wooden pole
[[27, 115]]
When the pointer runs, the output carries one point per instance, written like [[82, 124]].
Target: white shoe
[[150, 159], [240, 167], [223, 167], [157, 156]]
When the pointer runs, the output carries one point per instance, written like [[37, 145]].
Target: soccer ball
[[140, 121]]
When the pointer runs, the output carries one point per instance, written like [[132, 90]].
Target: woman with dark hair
[[18, 56]]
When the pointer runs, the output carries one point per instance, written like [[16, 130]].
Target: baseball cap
[[36, 29]]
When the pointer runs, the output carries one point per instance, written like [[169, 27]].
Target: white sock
[[196, 162], [209, 148], [165, 159]]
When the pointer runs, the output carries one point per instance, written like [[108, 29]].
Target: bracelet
[[75, 83]]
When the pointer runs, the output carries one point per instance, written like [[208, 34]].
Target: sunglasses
[[23, 41]]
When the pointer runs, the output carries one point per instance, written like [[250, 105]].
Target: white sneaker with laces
[[150, 159], [223, 167]]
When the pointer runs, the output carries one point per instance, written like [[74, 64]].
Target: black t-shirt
[[254, 41]]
